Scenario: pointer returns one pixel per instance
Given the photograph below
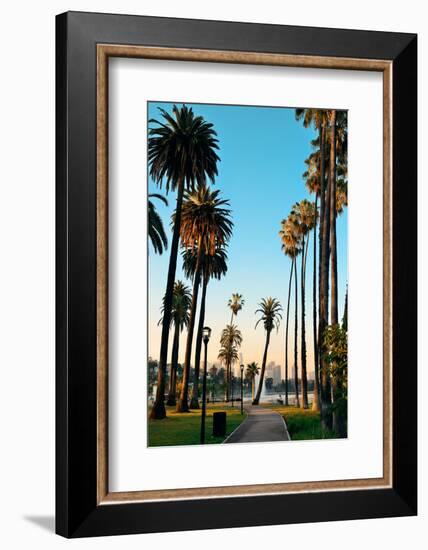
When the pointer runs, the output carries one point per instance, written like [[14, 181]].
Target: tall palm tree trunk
[[334, 314], [183, 405], [158, 410], [229, 382], [321, 253], [286, 334], [253, 383], [194, 402], [256, 400], [333, 241], [229, 373], [226, 393], [174, 361], [326, 418], [296, 327], [316, 398], [303, 329]]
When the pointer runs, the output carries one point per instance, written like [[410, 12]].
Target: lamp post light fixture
[[242, 389], [206, 333]]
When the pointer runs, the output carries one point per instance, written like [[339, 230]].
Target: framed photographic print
[[236, 274]]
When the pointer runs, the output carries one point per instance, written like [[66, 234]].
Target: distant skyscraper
[[273, 371], [276, 375]]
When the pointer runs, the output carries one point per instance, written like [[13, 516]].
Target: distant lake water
[[273, 397]]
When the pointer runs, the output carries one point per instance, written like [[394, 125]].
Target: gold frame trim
[[104, 51]]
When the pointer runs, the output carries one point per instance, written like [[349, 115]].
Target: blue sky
[[262, 151]]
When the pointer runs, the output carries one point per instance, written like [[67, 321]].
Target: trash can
[[219, 424]]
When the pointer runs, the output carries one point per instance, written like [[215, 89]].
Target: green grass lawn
[[185, 428], [302, 423]]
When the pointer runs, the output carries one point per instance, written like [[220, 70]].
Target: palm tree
[[323, 277], [303, 214], [235, 304], [228, 355], [181, 301], [206, 225], [338, 194], [334, 314], [251, 373], [270, 309], [292, 239], [290, 247], [213, 266], [312, 177], [320, 119], [181, 153], [338, 198], [156, 229], [231, 337]]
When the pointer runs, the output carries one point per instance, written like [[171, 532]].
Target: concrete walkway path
[[260, 425]]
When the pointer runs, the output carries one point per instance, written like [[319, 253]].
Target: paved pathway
[[260, 425]]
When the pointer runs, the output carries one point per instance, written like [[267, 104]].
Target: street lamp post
[[242, 389], [206, 333], [231, 380]]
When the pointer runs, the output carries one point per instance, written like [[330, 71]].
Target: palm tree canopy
[[341, 195], [214, 266], [303, 215], [270, 310], [252, 370], [156, 229], [312, 173], [231, 335], [310, 117], [182, 147], [205, 220], [291, 238], [181, 302], [236, 303], [312, 178], [342, 137], [228, 355]]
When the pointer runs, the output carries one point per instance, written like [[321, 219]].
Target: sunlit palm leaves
[[290, 238], [303, 215], [206, 221]]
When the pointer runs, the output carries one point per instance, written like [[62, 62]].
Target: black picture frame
[[77, 512]]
